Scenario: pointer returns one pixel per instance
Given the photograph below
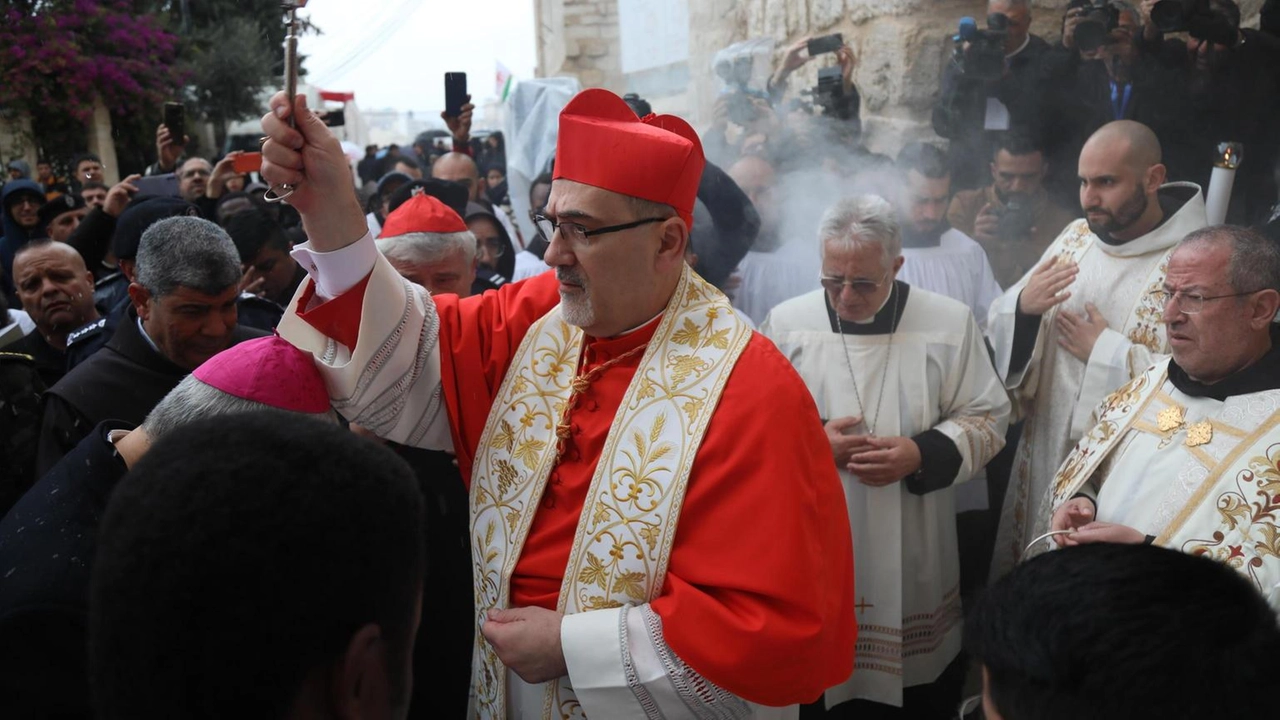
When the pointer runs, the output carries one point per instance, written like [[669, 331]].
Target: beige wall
[[579, 38], [901, 47]]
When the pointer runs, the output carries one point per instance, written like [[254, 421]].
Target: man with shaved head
[[460, 168], [56, 290], [1084, 321]]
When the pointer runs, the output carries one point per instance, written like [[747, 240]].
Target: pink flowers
[[60, 58]]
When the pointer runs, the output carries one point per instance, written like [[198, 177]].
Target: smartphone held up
[[455, 93]]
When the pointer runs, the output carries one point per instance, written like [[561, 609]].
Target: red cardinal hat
[[270, 371], [422, 213], [602, 143]]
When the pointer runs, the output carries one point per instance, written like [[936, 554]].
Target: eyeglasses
[[577, 235], [835, 284], [1191, 303], [491, 246], [195, 172]]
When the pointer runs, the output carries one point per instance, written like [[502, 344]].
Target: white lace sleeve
[[620, 665]]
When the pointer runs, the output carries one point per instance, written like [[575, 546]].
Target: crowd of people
[[754, 423]]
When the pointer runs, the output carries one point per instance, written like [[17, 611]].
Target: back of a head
[[1114, 632], [187, 252], [141, 214], [224, 580]]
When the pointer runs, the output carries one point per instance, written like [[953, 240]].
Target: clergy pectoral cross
[[863, 605]]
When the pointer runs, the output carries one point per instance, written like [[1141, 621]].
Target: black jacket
[[442, 654], [961, 111], [46, 546], [50, 363], [725, 225], [123, 381]]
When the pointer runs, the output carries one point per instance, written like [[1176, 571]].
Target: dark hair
[[638, 105], [93, 185], [406, 160], [1016, 143], [928, 160], [543, 179], [75, 162], [1114, 632], [252, 230], [227, 571]]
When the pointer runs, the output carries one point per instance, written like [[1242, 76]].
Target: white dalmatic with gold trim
[[936, 374], [1198, 474], [1054, 391]]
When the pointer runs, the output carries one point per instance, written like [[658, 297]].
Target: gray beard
[[577, 310]]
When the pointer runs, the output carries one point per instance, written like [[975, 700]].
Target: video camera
[[984, 60], [1195, 17], [736, 73], [1100, 17]]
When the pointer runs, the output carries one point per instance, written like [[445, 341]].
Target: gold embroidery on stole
[[624, 536]]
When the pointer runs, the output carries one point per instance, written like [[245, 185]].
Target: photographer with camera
[[995, 82], [1013, 218], [1232, 76], [835, 94], [1111, 79]]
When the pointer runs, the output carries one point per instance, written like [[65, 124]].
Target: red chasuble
[[759, 594]]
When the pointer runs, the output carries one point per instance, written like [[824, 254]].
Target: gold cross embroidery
[[1170, 418], [1199, 434]]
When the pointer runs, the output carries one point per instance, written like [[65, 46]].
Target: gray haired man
[[183, 313], [912, 406]]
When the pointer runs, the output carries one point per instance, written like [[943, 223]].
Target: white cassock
[[1053, 390], [1199, 474], [956, 267], [936, 376]]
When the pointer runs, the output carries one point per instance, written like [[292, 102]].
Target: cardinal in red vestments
[[657, 522]]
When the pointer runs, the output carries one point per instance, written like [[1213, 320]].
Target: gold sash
[[624, 536]]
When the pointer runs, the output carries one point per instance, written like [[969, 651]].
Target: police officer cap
[[452, 194], [59, 205], [142, 214]]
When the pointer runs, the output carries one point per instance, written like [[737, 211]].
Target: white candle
[[1219, 194]]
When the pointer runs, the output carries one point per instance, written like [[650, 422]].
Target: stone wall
[[901, 48], [579, 38]]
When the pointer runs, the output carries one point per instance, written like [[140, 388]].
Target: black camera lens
[[1090, 34]]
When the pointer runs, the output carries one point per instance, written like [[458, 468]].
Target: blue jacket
[[14, 236]]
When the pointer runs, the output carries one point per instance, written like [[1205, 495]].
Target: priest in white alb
[[1083, 322], [912, 407], [653, 509], [1187, 455]]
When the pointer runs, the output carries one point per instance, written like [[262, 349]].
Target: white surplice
[[1198, 474], [956, 267], [1054, 391], [769, 278], [936, 374]]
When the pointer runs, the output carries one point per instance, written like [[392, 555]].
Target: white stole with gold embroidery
[[624, 537]]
